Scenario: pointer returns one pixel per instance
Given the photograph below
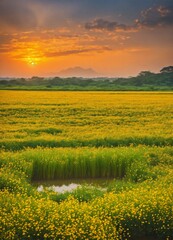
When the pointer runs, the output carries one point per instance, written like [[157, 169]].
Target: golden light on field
[[124, 137]]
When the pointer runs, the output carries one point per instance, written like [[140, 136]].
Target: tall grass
[[134, 163], [82, 163]]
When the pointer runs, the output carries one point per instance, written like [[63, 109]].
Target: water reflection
[[59, 189], [62, 186]]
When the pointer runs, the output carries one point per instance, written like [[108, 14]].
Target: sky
[[113, 37]]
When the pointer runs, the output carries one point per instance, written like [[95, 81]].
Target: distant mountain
[[78, 72]]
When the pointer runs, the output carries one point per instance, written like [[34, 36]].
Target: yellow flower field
[[123, 136], [85, 116]]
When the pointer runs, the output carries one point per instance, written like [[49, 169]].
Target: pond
[[62, 186]]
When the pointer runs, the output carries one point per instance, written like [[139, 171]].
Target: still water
[[62, 186]]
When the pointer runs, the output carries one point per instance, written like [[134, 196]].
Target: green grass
[[19, 144], [134, 163]]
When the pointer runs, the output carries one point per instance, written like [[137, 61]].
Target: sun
[[32, 61]]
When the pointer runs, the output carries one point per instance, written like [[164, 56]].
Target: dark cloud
[[75, 51], [84, 10], [151, 17], [66, 53], [24, 15], [16, 15], [101, 24], [5, 39], [156, 16]]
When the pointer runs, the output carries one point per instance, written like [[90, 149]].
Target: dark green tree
[[168, 69]]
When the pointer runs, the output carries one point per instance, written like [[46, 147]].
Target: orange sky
[[40, 38]]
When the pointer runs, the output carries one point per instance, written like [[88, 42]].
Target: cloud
[[5, 39], [151, 17], [76, 51], [156, 16], [16, 15], [101, 24]]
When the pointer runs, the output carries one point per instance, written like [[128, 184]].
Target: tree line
[[144, 80]]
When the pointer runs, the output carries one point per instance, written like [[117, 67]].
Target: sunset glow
[[117, 38], [32, 61]]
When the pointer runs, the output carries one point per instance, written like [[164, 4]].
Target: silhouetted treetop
[[168, 69]]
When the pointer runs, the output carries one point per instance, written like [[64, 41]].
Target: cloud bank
[[156, 16], [101, 24], [151, 17]]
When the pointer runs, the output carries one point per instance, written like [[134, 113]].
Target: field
[[125, 137]]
